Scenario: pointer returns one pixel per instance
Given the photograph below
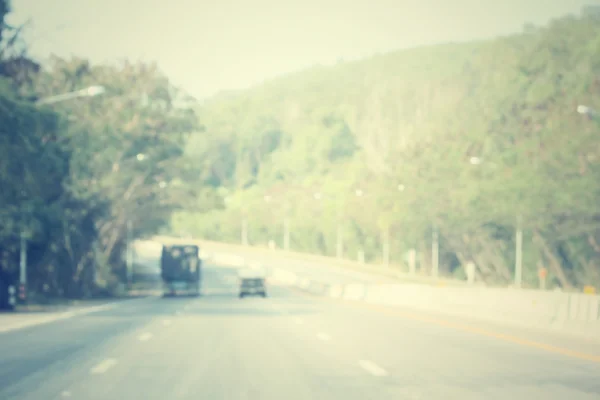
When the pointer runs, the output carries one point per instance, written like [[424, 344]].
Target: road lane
[[37, 354], [226, 348], [217, 347], [430, 360], [288, 345]]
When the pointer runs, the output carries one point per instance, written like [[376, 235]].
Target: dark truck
[[181, 270]]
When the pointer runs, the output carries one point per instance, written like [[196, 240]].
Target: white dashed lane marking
[[103, 366], [372, 368], [145, 336], [323, 336]]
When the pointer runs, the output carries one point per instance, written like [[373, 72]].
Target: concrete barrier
[[576, 314]]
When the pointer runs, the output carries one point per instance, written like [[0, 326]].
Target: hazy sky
[[212, 45]]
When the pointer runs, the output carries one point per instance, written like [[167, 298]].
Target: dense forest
[[468, 142]]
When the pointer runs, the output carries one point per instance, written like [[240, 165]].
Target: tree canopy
[[475, 139], [76, 173]]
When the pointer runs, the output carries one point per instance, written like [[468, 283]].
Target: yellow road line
[[484, 332], [471, 329]]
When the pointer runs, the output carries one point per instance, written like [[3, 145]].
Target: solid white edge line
[[58, 317]]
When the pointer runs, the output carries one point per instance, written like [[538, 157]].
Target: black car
[[252, 286]]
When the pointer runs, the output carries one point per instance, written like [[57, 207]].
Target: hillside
[[474, 139]]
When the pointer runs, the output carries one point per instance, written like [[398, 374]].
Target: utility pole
[[412, 261], [518, 253], [86, 92], [286, 234], [340, 242], [129, 254], [23, 267], [435, 255], [386, 247], [361, 256], [244, 231]]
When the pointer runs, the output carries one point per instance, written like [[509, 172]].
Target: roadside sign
[[589, 289], [542, 274]]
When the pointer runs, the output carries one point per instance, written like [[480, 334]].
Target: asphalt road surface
[[287, 346]]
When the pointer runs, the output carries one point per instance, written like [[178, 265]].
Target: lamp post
[[585, 110], [90, 91], [518, 277]]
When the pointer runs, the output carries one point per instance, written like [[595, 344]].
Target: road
[[287, 346]]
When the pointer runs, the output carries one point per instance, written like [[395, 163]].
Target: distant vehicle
[[181, 270], [252, 282]]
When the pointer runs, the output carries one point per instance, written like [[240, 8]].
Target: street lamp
[[129, 253], [519, 230], [117, 165], [589, 112], [475, 160], [585, 110], [90, 91]]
